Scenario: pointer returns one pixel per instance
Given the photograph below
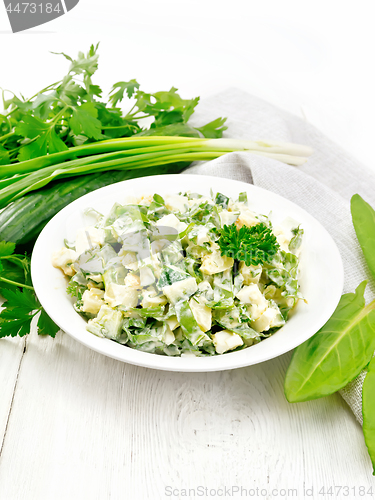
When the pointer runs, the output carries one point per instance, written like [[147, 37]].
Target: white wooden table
[[77, 425]]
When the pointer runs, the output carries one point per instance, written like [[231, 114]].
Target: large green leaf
[[363, 216], [337, 353], [368, 410]]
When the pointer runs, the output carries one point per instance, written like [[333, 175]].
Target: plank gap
[[13, 395]]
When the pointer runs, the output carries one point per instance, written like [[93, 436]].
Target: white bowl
[[321, 272]]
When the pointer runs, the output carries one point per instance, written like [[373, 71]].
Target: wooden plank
[[85, 426], [11, 354]]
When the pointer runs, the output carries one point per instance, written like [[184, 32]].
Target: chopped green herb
[[253, 245]]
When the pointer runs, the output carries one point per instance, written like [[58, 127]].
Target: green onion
[[21, 178]]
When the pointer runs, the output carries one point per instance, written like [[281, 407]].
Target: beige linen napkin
[[323, 186]]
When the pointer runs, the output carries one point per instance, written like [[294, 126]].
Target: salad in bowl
[[184, 274]]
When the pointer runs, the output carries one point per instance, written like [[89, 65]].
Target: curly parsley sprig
[[253, 245]]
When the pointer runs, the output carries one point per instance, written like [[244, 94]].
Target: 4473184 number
[[346, 491], [34, 8]]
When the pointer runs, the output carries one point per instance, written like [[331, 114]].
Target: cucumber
[[22, 220]]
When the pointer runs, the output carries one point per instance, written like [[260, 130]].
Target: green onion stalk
[[18, 179]]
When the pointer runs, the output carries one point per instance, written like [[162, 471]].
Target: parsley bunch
[[253, 245], [21, 304], [71, 112]]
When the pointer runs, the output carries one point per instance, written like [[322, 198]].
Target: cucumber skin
[[22, 220]]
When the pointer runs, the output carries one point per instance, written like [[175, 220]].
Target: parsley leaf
[[15, 299], [118, 89], [69, 91], [84, 121], [31, 127], [21, 304], [14, 268], [48, 142], [83, 64], [14, 327], [46, 326], [253, 245], [41, 105], [4, 156], [16, 318], [214, 129], [6, 248]]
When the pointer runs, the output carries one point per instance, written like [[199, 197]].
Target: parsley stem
[[12, 257], [133, 116], [30, 98], [26, 143], [11, 112], [22, 285], [140, 117], [56, 118], [129, 115], [6, 136], [16, 260], [43, 90]]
